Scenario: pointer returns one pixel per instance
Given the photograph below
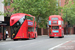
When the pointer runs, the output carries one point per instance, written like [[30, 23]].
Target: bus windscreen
[[55, 27]]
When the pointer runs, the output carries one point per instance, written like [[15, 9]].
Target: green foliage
[[7, 11], [5, 2], [69, 10], [41, 9]]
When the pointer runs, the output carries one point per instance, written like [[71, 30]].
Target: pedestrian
[[6, 33]]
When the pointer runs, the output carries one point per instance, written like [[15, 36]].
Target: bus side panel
[[61, 31], [25, 30], [33, 34]]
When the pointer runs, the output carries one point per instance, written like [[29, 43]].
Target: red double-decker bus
[[23, 26], [56, 28]]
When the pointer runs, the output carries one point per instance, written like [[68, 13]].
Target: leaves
[[38, 8], [69, 12], [41, 9]]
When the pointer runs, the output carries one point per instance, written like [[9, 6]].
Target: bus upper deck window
[[54, 18]]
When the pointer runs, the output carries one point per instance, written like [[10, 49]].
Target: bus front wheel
[[15, 39], [4, 39], [51, 37]]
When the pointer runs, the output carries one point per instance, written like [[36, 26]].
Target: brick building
[[2, 10]]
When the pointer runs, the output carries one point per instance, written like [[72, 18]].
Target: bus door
[[55, 30]]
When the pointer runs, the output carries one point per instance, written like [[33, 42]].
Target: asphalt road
[[40, 43]]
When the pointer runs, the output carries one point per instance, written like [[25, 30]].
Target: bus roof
[[17, 16], [58, 16], [21, 15]]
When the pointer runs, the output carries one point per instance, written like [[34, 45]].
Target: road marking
[[58, 45]]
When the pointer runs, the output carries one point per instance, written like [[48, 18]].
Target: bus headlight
[[49, 22], [59, 22]]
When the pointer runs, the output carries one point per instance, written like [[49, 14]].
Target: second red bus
[[56, 28]]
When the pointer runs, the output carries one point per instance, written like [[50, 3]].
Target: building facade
[[1, 10]]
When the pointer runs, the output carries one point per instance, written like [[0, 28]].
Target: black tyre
[[15, 39], [4, 39], [51, 37], [62, 36]]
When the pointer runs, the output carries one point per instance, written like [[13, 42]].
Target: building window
[[59, 2]]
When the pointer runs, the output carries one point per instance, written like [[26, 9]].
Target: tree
[[41, 9], [69, 12]]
